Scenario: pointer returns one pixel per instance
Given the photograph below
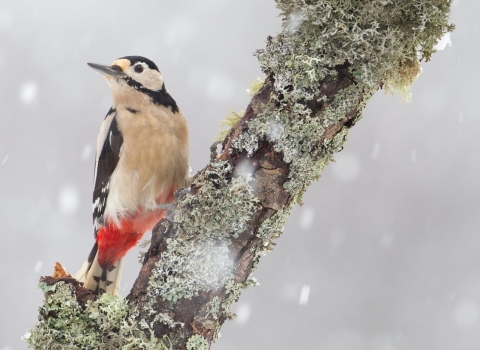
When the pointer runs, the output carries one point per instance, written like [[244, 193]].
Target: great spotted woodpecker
[[142, 158]]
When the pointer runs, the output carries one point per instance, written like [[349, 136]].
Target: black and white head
[[137, 73]]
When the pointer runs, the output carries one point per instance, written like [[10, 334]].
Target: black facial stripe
[[135, 59], [161, 97], [131, 110]]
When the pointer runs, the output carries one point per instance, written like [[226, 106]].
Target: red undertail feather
[[102, 270]]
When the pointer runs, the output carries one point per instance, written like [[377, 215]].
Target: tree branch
[[321, 70]]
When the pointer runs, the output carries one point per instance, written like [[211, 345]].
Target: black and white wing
[[109, 143]]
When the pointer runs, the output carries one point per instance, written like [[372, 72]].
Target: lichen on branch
[[329, 59]]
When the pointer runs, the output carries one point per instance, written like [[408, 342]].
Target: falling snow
[[243, 312], [295, 20], [87, 151], [68, 200], [304, 294], [5, 159], [28, 92], [376, 151], [306, 218], [220, 87], [387, 240], [346, 167], [443, 42], [465, 314], [38, 266]]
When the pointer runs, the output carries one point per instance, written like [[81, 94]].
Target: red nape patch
[[114, 242]]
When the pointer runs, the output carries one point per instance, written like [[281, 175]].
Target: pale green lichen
[[104, 324], [213, 308], [141, 254], [188, 267], [219, 209], [378, 43], [197, 342], [383, 40]]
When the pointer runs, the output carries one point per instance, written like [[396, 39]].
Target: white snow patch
[[414, 156], [443, 42], [243, 314], [465, 314], [245, 170], [306, 220], [38, 266], [220, 87], [87, 151], [295, 20], [274, 131], [346, 167], [376, 151], [68, 199], [304, 294], [27, 335], [5, 159], [28, 92]]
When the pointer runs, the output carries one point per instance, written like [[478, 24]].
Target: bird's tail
[[97, 278]]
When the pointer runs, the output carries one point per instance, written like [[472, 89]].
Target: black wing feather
[[107, 162]]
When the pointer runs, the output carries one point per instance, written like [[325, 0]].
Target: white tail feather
[[100, 279]]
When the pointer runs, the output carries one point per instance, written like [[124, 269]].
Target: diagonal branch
[[321, 70]]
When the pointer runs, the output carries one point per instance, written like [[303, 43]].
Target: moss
[[255, 86], [228, 122], [197, 342], [104, 324]]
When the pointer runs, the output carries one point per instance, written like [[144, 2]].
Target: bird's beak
[[115, 71]]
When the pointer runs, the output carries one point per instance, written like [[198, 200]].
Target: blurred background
[[385, 252]]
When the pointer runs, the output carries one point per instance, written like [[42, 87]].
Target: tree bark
[[320, 72], [270, 172]]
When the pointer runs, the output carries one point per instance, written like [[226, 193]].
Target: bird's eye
[[138, 68]]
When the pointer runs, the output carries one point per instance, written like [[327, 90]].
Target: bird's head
[[135, 72]]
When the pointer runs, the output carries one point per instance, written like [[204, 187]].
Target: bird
[[141, 160]]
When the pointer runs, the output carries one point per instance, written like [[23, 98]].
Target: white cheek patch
[[149, 78]]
